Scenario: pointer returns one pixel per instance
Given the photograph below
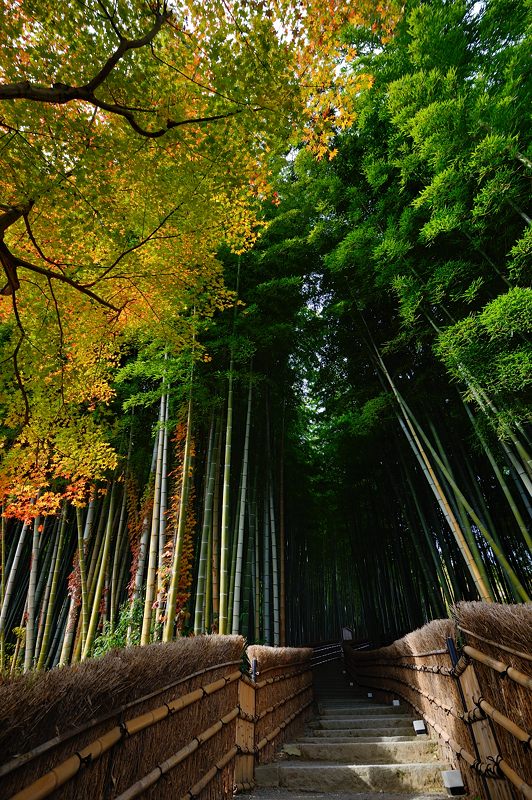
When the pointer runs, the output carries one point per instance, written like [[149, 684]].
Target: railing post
[[245, 735], [484, 741]]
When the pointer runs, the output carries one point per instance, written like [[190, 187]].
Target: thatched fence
[[283, 696], [475, 697], [168, 721]]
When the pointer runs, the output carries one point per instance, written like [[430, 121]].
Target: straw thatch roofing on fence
[[510, 626], [430, 637], [269, 657], [38, 706]]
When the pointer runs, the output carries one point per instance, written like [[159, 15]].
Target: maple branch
[[10, 262], [37, 246], [150, 236], [16, 369], [61, 93], [61, 338]]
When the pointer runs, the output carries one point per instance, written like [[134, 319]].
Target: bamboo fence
[[476, 701], [284, 695], [94, 731]]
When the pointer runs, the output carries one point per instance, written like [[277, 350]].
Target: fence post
[[245, 735], [482, 733]]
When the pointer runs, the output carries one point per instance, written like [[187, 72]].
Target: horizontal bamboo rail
[[518, 653], [517, 732], [140, 786], [503, 669], [208, 777]]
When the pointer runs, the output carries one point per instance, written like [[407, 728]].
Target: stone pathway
[[354, 749]]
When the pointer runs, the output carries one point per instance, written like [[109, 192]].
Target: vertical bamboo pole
[[2, 580], [154, 535], [266, 574], [282, 539], [45, 583], [8, 591], [168, 632], [226, 495], [215, 533], [275, 572], [43, 654], [30, 624], [199, 613], [106, 548], [242, 506]]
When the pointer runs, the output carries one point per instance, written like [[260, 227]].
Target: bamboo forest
[[265, 317]]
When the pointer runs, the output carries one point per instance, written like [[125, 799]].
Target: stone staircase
[[354, 748]]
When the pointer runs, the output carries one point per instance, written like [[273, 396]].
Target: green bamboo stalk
[[502, 483], [413, 439], [226, 494], [199, 613], [2, 581], [207, 606], [168, 633], [215, 533], [43, 654], [275, 572], [247, 585], [149, 597], [95, 607], [30, 624], [254, 534], [45, 580], [117, 561], [242, 505], [10, 585], [164, 488], [465, 526], [443, 579], [266, 573], [478, 522]]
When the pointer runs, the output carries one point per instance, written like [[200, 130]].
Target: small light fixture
[[396, 703], [453, 781], [350, 683], [419, 726], [370, 694]]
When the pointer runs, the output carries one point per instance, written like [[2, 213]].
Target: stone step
[[349, 739], [366, 753], [291, 794], [362, 709], [324, 777], [332, 733], [388, 721]]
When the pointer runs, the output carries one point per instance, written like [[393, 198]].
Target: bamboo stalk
[[106, 547], [168, 632], [266, 575], [154, 535], [226, 494], [9, 586], [2, 581], [200, 603], [275, 572], [43, 654], [242, 506], [215, 532], [30, 624]]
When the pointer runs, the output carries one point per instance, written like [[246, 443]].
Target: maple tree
[[136, 136]]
